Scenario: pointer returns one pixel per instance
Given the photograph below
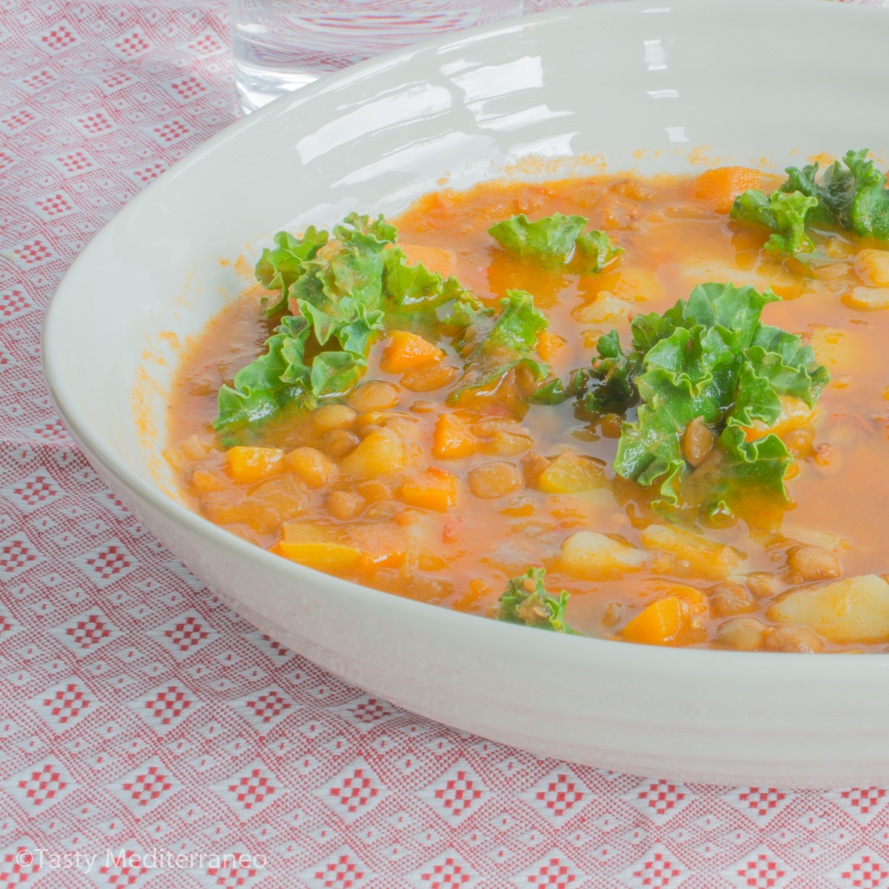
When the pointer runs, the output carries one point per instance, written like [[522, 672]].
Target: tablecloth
[[148, 736]]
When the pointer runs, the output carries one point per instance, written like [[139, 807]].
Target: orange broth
[[493, 511]]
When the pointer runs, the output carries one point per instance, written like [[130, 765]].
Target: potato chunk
[[381, 453], [591, 555], [867, 299], [688, 554], [855, 609], [571, 472], [872, 266]]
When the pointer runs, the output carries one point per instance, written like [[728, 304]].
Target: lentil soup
[[412, 481]]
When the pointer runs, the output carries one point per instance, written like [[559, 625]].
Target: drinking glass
[[280, 45]]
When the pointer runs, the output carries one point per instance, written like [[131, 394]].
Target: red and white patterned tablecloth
[[148, 736]]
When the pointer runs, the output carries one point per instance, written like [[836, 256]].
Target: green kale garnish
[[527, 602], [492, 345], [555, 241], [708, 359], [340, 292], [783, 213], [850, 196]]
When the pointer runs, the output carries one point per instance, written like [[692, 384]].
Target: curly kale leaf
[[282, 265], [708, 359], [338, 295], [851, 195], [527, 602], [492, 345], [783, 213], [717, 362], [555, 241]]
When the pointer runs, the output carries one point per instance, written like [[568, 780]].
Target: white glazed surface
[[650, 86]]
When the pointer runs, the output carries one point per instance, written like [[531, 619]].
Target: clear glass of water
[[281, 45]]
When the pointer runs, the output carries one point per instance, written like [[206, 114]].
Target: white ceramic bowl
[[652, 86]]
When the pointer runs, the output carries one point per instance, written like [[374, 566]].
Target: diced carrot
[[659, 623], [795, 414], [694, 600], [720, 186], [251, 464], [334, 558], [436, 259], [549, 345], [452, 438], [431, 488], [382, 544], [407, 351]]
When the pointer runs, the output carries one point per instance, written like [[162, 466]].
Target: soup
[[519, 435]]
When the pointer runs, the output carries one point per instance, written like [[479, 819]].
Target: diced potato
[[251, 464], [632, 284], [833, 347], [606, 308], [380, 453], [428, 379], [332, 416], [873, 266], [408, 351], [306, 531], [194, 448], [452, 438], [571, 472], [594, 556], [500, 436], [315, 468], [431, 488], [855, 609], [688, 553], [701, 271], [795, 414], [265, 508], [333, 558], [827, 539], [209, 480], [867, 299]]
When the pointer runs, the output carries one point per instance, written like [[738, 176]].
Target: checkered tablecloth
[[148, 736]]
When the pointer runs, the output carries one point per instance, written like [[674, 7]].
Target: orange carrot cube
[[431, 488], [408, 351]]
